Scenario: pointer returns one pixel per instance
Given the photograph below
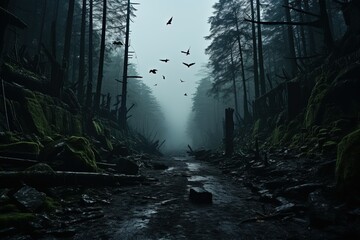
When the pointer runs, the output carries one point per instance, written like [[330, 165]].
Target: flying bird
[[155, 84], [185, 94], [169, 22], [163, 76], [164, 60], [182, 80], [118, 43], [188, 64], [153, 71], [186, 52]]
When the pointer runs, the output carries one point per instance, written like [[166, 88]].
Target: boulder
[[127, 166], [70, 154], [348, 163], [200, 196], [30, 198]]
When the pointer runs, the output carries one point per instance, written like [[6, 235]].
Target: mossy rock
[[335, 96], [40, 167], [277, 135], [15, 219], [36, 116], [348, 163], [20, 147], [71, 154], [51, 204]]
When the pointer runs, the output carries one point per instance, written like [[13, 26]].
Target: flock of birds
[[166, 60]]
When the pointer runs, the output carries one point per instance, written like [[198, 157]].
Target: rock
[[200, 196], [120, 150], [23, 149], [70, 154], [289, 207], [30, 198], [127, 166], [302, 191], [348, 163], [320, 214], [40, 167]]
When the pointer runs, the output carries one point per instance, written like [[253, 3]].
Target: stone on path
[[200, 196]]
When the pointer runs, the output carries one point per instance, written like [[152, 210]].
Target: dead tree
[[80, 88], [229, 131]]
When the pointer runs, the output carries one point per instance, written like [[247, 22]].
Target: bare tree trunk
[[81, 78], [256, 73], [101, 61], [260, 48], [246, 110], [234, 83], [312, 43], [324, 18], [90, 77], [42, 27], [123, 109], [302, 32], [291, 45], [67, 45]]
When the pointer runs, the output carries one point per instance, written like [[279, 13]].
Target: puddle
[[139, 221], [198, 178], [193, 166], [170, 169], [181, 158]]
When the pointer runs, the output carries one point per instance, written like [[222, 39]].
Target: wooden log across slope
[[59, 178]]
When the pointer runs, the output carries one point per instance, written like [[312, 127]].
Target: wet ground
[[160, 208]]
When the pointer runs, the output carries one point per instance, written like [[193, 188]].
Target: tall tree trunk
[[53, 29], [246, 110], [324, 18], [101, 61], [42, 27], [81, 78], [123, 109], [67, 45], [255, 60], [302, 30], [90, 56], [291, 45], [234, 83], [260, 48], [312, 43]]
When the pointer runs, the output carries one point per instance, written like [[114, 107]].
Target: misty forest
[[270, 144]]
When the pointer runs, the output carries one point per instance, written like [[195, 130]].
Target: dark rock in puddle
[[200, 196], [126, 166], [290, 207], [320, 213], [159, 166], [302, 191], [30, 198]]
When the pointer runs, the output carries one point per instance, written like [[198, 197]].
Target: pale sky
[[152, 40]]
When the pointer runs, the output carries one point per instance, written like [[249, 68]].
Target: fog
[[152, 39]]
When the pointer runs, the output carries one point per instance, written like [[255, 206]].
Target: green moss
[[277, 135], [37, 116], [51, 204], [98, 128], [348, 162], [15, 219], [77, 127], [80, 153], [257, 127], [20, 147]]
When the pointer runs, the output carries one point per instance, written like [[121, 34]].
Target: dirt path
[[162, 210]]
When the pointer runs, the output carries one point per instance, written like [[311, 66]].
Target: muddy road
[[161, 209]]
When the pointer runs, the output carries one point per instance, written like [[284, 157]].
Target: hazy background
[[152, 39]]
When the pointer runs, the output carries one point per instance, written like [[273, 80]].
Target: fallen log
[[60, 178]]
